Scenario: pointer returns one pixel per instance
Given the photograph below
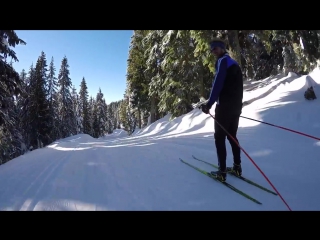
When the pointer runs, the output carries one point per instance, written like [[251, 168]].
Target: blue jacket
[[227, 86]]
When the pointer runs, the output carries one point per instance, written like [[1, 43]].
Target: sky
[[98, 56]]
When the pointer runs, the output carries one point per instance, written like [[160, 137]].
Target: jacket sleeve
[[218, 81]]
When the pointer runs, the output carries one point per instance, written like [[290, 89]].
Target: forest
[[167, 71]]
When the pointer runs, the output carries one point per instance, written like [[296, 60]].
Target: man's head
[[217, 47]]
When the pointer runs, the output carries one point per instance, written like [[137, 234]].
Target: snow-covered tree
[[65, 111], [75, 106], [101, 118], [52, 84], [38, 108], [84, 108]]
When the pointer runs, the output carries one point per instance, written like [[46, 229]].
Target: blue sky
[[98, 56]]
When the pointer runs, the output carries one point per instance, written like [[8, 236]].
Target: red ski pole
[[288, 129], [252, 162]]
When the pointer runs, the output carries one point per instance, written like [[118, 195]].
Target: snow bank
[[270, 93]]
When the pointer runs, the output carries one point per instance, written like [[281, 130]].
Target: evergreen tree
[[91, 116], [26, 109], [95, 120], [65, 111], [84, 107], [9, 78], [39, 105], [101, 115], [22, 114], [110, 118], [53, 101], [128, 121], [76, 117]]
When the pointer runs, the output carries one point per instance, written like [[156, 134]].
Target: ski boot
[[220, 175], [236, 169]]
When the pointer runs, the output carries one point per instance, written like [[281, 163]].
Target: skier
[[227, 91]]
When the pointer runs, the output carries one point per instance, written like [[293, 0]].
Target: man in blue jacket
[[227, 91]]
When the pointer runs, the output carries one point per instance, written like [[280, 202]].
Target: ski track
[[72, 178], [29, 177]]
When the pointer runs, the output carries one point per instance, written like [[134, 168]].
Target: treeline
[[41, 106], [170, 69]]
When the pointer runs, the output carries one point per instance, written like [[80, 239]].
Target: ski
[[224, 183], [242, 178]]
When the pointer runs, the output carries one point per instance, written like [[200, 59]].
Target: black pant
[[229, 122]]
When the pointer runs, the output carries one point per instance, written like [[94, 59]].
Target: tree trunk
[[234, 46], [153, 109], [139, 118], [201, 83]]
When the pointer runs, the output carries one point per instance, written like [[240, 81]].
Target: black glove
[[205, 108]]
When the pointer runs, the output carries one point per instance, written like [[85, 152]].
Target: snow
[[117, 133], [143, 171], [4, 42]]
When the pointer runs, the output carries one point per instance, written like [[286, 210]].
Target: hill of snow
[[143, 172]]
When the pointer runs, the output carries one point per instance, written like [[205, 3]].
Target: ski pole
[[252, 162], [273, 125]]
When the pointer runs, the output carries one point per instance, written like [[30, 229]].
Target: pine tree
[[84, 107], [76, 122], [91, 116], [126, 117], [24, 84], [9, 78], [41, 105], [66, 115], [101, 116], [22, 114], [95, 120], [26, 114], [110, 118], [107, 119], [15, 140], [117, 116], [78, 116], [53, 101], [9, 142]]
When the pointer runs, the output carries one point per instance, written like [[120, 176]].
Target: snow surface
[[117, 133], [143, 172]]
